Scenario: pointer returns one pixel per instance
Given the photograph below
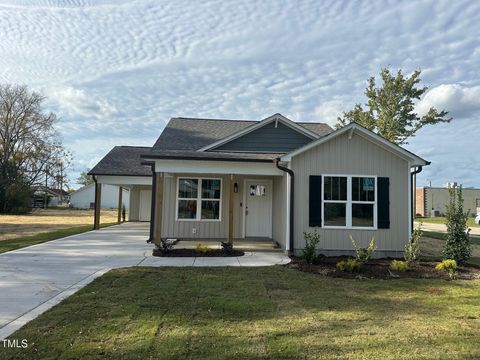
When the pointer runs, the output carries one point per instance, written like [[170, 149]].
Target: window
[[199, 199], [349, 201]]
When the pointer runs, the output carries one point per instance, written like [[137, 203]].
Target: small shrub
[[399, 265], [201, 248], [165, 245], [349, 265], [457, 245], [311, 241], [364, 254], [449, 266], [412, 249]]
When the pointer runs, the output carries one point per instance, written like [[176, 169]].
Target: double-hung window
[[349, 201], [199, 199]]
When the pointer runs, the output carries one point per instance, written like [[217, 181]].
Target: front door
[[258, 208]]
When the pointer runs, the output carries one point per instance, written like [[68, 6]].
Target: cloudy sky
[[116, 71]]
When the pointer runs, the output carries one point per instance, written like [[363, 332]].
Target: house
[[54, 197], [84, 198], [430, 201], [274, 179]]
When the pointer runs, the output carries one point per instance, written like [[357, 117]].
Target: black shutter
[[315, 201], [383, 202]]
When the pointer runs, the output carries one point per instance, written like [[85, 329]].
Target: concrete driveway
[[35, 278]]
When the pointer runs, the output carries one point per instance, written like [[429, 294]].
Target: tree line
[[31, 152]]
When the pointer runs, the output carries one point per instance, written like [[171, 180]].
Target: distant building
[[84, 198], [55, 197], [430, 201]]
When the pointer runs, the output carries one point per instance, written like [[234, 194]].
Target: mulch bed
[[194, 253], [379, 269]]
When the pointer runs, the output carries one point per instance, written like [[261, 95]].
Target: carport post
[[158, 203], [120, 205], [230, 211], [98, 199]]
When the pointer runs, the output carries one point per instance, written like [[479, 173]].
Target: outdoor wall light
[[235, 188]]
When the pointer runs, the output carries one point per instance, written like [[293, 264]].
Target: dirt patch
[[194, 253], [380, 269], [46, 220]]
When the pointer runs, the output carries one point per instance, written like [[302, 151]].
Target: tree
[[84, 179], [390, 109], [28, 143], [457, 245]]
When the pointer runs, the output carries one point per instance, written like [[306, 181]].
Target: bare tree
[[28, 143]]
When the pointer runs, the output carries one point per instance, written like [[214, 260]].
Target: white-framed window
[[349, 201], [199, 199]]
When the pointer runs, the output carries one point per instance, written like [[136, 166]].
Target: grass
[[256, 313], [432, 242], [442, 220], [18, 243]]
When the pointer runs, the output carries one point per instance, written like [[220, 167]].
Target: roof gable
[[354, 128], [248, 135]]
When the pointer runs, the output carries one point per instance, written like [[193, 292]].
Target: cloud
[[329, 111], [460, 101], [116, 71], [78, 102]]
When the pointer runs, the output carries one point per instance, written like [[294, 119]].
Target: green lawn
[[442, 220], [18, 243], [256, 313]]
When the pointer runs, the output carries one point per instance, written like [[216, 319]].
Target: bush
[[349, 265], [449, 266], [311, 241], [412, 249], [364, 254], [399, 265], [201, 248], [457, 245]]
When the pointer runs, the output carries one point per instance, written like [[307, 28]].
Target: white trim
[[348, 204], [217, 167], [244, 227], [124, 180], [367, 134], [268, 120], [199, 199]]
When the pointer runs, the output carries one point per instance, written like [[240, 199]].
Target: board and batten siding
[[134, 208], [171, 228], [355, 156], [271, 138]]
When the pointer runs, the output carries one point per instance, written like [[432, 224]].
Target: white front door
[[145, 205], [258, 208]]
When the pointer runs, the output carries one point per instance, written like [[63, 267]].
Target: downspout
[[153, 204], [292, 197], [412, 174]]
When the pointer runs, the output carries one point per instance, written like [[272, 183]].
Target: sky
[[116, 71]]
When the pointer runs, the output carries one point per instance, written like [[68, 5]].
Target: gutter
[[418, 170], [292, 194]]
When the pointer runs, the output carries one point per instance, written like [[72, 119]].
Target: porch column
[[120, 207], [98, 205], [230, 211], [158, 206]]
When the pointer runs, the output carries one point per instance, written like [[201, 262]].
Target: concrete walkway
[[35, 278]]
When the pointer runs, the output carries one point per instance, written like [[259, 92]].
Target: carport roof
[[123, 161]]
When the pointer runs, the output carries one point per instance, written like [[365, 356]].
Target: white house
[[84, 198]]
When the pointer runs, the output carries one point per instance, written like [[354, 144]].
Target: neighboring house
[[55, 197], [275, 179], [430, 201], [84, 198]]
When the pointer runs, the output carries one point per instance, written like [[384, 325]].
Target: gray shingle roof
[[123, 160], [181, 139], [195, 133]]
